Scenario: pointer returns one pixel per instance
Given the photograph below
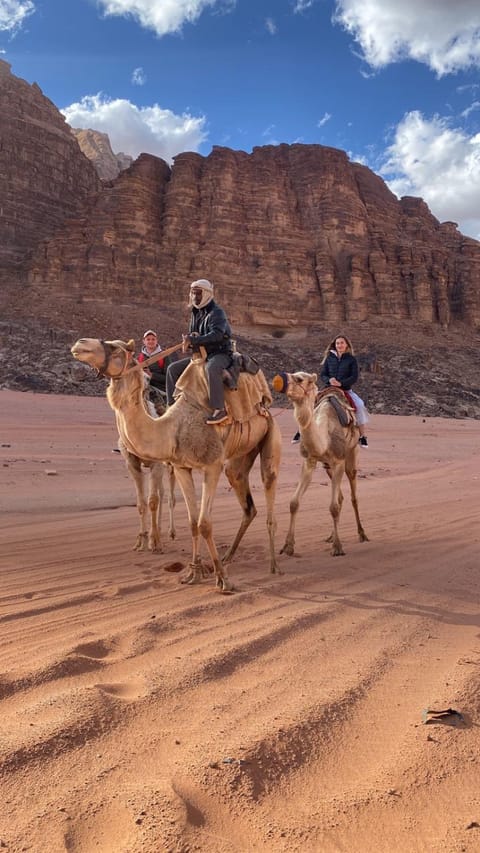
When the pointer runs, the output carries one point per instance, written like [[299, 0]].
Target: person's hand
[[186, 343], [335, 382]]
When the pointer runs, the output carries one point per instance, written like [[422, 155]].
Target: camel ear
[[314, 377], [131, 345]]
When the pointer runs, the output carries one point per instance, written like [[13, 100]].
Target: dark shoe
[[296, 438], [363, 441], [218, 417]]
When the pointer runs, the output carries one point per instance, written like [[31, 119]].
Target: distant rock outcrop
[[291, 235], [96, 146]]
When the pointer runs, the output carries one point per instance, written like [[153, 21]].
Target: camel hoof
[[288, 549], [172, 534], [276, 571], [190, 580], [224, 586], [338, 552], [363, 537]]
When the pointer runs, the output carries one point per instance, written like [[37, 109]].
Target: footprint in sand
[[129, 691], [98, 649]]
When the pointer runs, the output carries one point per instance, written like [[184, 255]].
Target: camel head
[[108, 358], [299, 387]]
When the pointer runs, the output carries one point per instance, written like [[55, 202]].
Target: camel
[[325, 440], [152, 537], [182, 437]]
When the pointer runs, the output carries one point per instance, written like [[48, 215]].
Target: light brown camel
[[150, 536], [182, 437], [325, 440]]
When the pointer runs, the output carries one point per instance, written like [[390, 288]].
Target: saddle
[[250, 397], [341, 402], [241, 363]]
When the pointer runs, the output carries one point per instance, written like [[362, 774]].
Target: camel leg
[[184, 479], [270, 455], [171, 501], [351, 472], [155, 501], [135, 470], [237, 471], [306, 474], [336, 506], [209, 487]]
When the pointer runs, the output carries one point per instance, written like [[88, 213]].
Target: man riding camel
[[209, 328]]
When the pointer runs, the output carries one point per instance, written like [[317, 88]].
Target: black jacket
[[212, 328], [345, 369]]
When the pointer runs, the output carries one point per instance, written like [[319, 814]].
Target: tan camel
[[182, 437], [325, 440], [150, 536]]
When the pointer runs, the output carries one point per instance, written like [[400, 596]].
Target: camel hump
[[251, 397], [341, 403]]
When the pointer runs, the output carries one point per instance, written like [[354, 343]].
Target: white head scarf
[[207, 293]]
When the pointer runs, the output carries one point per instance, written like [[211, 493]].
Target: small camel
[[150, 537], [325, 440], [182, 437]]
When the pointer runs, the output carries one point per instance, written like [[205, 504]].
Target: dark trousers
[[215, 365]]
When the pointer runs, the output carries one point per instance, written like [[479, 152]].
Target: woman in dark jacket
[[340, 370]]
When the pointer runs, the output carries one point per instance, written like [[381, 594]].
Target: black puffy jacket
[[343, 368]]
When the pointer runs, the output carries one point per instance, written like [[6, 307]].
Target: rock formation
[[96, 146], [291, 235], [44, 177]]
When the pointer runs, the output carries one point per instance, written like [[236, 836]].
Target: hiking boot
[[296, 438], [363, 441], [218, 417]]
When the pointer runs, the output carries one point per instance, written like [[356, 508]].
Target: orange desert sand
[[140, 715]]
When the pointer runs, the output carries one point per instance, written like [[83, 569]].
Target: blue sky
[[394, 83]]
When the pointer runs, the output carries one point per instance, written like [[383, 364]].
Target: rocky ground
[[406, 369]]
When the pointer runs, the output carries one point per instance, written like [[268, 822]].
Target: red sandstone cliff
[[290, 235], [44, 177]]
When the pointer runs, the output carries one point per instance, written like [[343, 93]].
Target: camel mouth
[[78, 350]]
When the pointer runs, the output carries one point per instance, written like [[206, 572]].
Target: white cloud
[[268, 135], [133, 129], [139, 78], [271, 26], [321, 121], [301, 5], [443, 34], [471, 109], [439, 163], [162, 16], [13, 14]]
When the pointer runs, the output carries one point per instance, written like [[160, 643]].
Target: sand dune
[[140, 715]]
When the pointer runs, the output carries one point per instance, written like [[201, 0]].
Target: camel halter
[[107, 350], [308, 393]]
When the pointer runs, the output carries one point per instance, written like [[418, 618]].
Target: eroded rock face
[[288, 234], [96, 146], [44, 177], [291, 235]]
